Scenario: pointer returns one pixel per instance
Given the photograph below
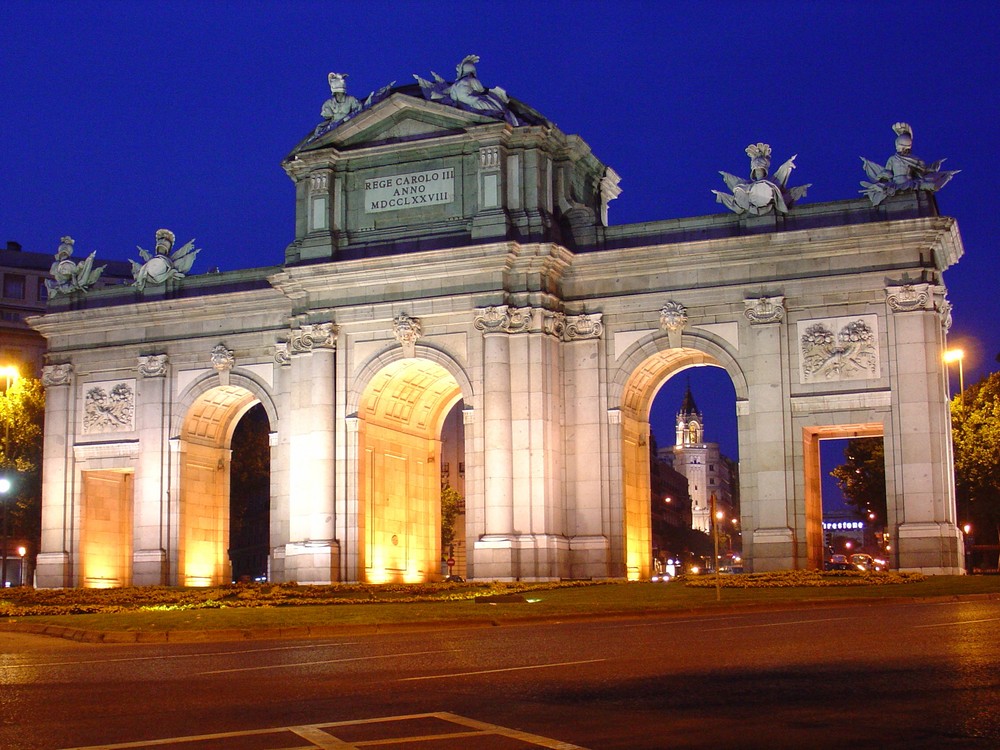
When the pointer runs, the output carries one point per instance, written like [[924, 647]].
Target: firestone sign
[[415, 189]]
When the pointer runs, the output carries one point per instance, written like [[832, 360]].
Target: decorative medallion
[[673, 316], [406, 329], [222, 359]]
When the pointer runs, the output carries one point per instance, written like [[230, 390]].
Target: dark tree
[[451, 506], [975, 420], [22, 416], [862, 478]]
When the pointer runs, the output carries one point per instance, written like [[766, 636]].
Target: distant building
[[707, 471], [23, 293], [670, 510]]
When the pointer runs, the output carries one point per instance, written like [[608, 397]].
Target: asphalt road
[[879, 676]]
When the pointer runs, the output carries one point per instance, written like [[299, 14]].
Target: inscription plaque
[[395, 192]]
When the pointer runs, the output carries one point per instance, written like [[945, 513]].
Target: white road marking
[[505, 669], [779, 624], [324, 736], [961, 622], [326, 661], [33, 665]]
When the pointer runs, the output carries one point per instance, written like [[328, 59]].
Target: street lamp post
[[4, 489], [957, 355], [10, 374], [715, 544]]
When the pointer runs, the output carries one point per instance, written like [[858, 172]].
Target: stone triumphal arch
[[453, 265]]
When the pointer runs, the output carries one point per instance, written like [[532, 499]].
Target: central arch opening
[[640, 487], [401, 416]]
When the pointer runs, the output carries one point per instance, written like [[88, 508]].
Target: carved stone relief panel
[[282, 355], [152, 366], [764, 310], [834, 349], [503, 319], [53, 375], [312, 336], [108, 406], [586, 326]]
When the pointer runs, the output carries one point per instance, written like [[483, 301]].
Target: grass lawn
[[439, 605]]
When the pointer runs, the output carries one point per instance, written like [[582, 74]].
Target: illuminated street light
[[957, 355], [21, 551], [10, 373]]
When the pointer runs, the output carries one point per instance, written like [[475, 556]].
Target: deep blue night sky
[[123, 117]]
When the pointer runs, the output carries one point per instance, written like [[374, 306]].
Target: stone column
[[60, 532], [499, 435], [928, 536], [150, 494], [311, 554], [494, 550], [765, 444], [586, 436]]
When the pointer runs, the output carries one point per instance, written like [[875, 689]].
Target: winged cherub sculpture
[[163, 263], [760, 194]]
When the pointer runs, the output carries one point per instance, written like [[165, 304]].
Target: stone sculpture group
[[761, 194]]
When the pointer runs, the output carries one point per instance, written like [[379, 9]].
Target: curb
[[331, 631]]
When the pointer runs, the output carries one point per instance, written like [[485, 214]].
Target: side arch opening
[[203, 515]]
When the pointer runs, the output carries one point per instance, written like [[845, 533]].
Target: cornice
[[911, 238], [176, 312]]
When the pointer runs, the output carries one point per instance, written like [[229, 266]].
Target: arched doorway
[[639, 391], [401, 415], [204, 508]]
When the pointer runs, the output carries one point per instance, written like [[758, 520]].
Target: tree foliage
[[451, 506], [861, 477], [22, 416], [975, 422]]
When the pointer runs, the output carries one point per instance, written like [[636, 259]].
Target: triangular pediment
[[399, 118]]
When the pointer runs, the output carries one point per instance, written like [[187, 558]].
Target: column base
[[589, 557], [935, 549], [773, 549], [313, 562], [52, 570], [149, 567], [521, 557]]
